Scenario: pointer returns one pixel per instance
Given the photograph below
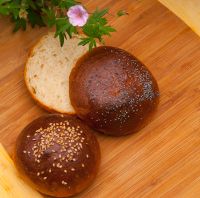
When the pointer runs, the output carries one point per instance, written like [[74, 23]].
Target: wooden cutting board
[[163, 159], [187, 10]]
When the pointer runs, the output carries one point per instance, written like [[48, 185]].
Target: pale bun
[[47, 72]]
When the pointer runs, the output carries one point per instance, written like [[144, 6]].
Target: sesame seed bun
[[57, 155], [113, 91]]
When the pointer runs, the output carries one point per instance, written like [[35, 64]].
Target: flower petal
[[78, 16]]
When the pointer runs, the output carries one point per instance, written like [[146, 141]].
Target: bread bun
[[57, 155], [47, 72], [113, 91]]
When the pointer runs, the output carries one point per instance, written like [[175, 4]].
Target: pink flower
[[78, 16]]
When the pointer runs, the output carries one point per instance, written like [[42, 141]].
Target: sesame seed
[[72, 169], [83, 165], [87, 156], [64, 183], [67, 137], [65, 171], [59, 165], [38, 173], [81, 145], [44, 178]]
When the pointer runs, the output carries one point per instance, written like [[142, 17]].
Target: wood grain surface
[[163, 159], [187, 10]]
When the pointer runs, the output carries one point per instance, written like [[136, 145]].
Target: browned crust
[[116, 94], [48, 108], [28, 172]]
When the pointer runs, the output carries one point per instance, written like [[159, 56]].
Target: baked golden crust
[[113, 91], [58, 155]]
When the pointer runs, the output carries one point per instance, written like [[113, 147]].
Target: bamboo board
[[187, 10], [163, 159]]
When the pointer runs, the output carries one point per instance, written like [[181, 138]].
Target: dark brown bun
[[113, 91], [58, 155]]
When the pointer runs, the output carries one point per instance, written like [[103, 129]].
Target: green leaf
[[18, 2], [92, 44], [61, 26], [97, 17], [55, 2], [35, 18], [106, 30], [49, 17], [4, 1], [91, 30], [100, 13], [19, 23], [95, 28], [84, 41], [9, 8], [61, 38], [71, 30], [15, 13], [4, 11], [88, 40], [53, 13], [67, 3], [32, 4], [121, 13]]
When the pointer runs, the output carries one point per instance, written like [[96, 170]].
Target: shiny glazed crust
[[57, 155], [113, 91]]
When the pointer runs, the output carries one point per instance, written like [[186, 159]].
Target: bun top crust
[[59, 155], [113, 91]]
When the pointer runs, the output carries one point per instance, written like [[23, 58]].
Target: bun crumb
[[47, 72]]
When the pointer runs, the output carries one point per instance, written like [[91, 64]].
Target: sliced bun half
[[47, 72]]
